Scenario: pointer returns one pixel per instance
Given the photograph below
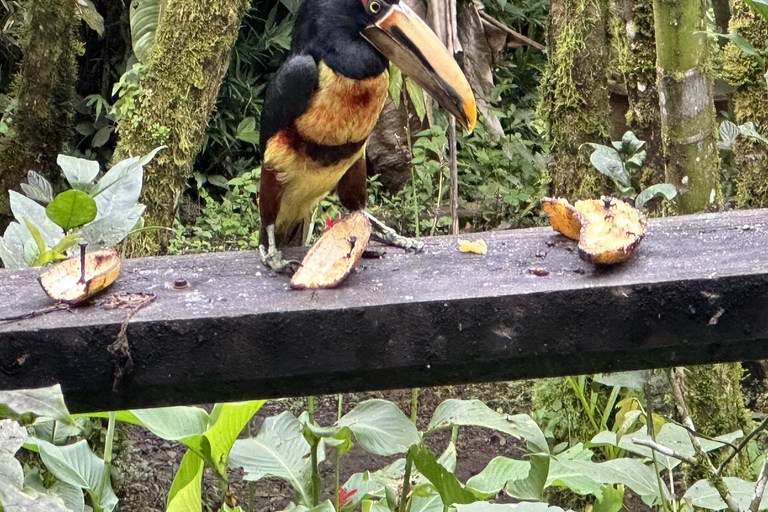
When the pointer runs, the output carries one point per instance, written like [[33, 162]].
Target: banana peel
[[335, 254], [74, 280], [608, 229]]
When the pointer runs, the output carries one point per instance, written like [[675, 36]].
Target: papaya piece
[[75, 279], [612, 231], [608, 229], [335, 254], [563, 217]]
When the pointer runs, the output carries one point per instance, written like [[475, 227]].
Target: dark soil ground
[[145, 464]]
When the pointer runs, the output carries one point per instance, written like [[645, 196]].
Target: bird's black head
[[330, 30], [356, 37]]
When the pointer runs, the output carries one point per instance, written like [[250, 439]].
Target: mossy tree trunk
[[685, 101], [574, 100], [750, 103], [45, 91], [638, 66], [178, 93]]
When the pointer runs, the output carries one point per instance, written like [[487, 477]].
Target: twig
[[676, 379], [50, 309], [652, 434], [669, 452], [742, 444], [762, 478]]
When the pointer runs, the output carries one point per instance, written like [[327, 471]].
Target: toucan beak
[[412, 46]]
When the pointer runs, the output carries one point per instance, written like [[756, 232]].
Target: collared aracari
[[323, 102]]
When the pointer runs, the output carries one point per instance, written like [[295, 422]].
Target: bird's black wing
[[288, 95]]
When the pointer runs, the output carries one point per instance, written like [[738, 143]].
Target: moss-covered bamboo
[[574, 105], [178, 93], [750, 103], [44, 90], [685, 101], [638, 66]]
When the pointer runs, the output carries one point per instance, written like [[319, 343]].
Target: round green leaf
[[71, 209]]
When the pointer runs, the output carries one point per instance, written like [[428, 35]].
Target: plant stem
[[107, 462], [337, 465], [406, 482], [580, 394], [454, 177], [413, 167], [313, 454], [414, 405]]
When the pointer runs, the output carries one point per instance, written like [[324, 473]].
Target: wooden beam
[[695, 292]]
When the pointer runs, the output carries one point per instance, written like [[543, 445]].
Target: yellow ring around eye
[[374, 7]]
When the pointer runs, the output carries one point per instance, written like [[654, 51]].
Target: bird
[[324, 100]]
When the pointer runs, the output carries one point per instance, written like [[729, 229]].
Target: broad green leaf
[[631, 380], [37, 188], [325, 506], [603, 438], [760, 6], [476, 413], [728, 132], [77, 465], [173, 423], [184, 495], [612, 500], [47, 402], [79, 172], [375, 506], [124, 168], [25, 208], [608, 161], [660, 189], [749, 130], [365, 487], [232, 418], [381, 427], [66, 242], [531, 488], [12, 437], [55, 432], [416, 94], [484, 506], [121, 195], [279, 450], [12, 248], [14, 500], [395, 84], [450, 489], [36, 236], [743, 45], [144, 15], [71, 209], [247, 131], [113, 228], [495, 476], [587, 477], [703, 495], [425, 499], [102, 136], [448, 458]]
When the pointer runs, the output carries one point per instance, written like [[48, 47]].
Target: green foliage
[[73, 466], [622, 162], [226, 224], [94, 212]]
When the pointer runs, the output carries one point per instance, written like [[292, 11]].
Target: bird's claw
[[273, 259], [389, 236]]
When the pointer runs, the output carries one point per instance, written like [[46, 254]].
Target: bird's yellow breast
[[343, 110], [311, 156]]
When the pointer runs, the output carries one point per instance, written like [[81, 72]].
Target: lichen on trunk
[[750, 103], [685, 101], [638, 67], [179, 88], [45, 92], [574, 104]]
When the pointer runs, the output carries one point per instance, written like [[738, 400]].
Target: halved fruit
[[334, 256], [76, 279], [609, 228]]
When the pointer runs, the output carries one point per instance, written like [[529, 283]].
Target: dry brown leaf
[[334, 256], [65, 281]]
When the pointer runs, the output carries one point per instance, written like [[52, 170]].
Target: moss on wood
[[574, 103], [178, 94], [45, 91], [750, 103]]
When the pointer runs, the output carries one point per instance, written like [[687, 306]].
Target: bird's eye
[[374, 7]]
